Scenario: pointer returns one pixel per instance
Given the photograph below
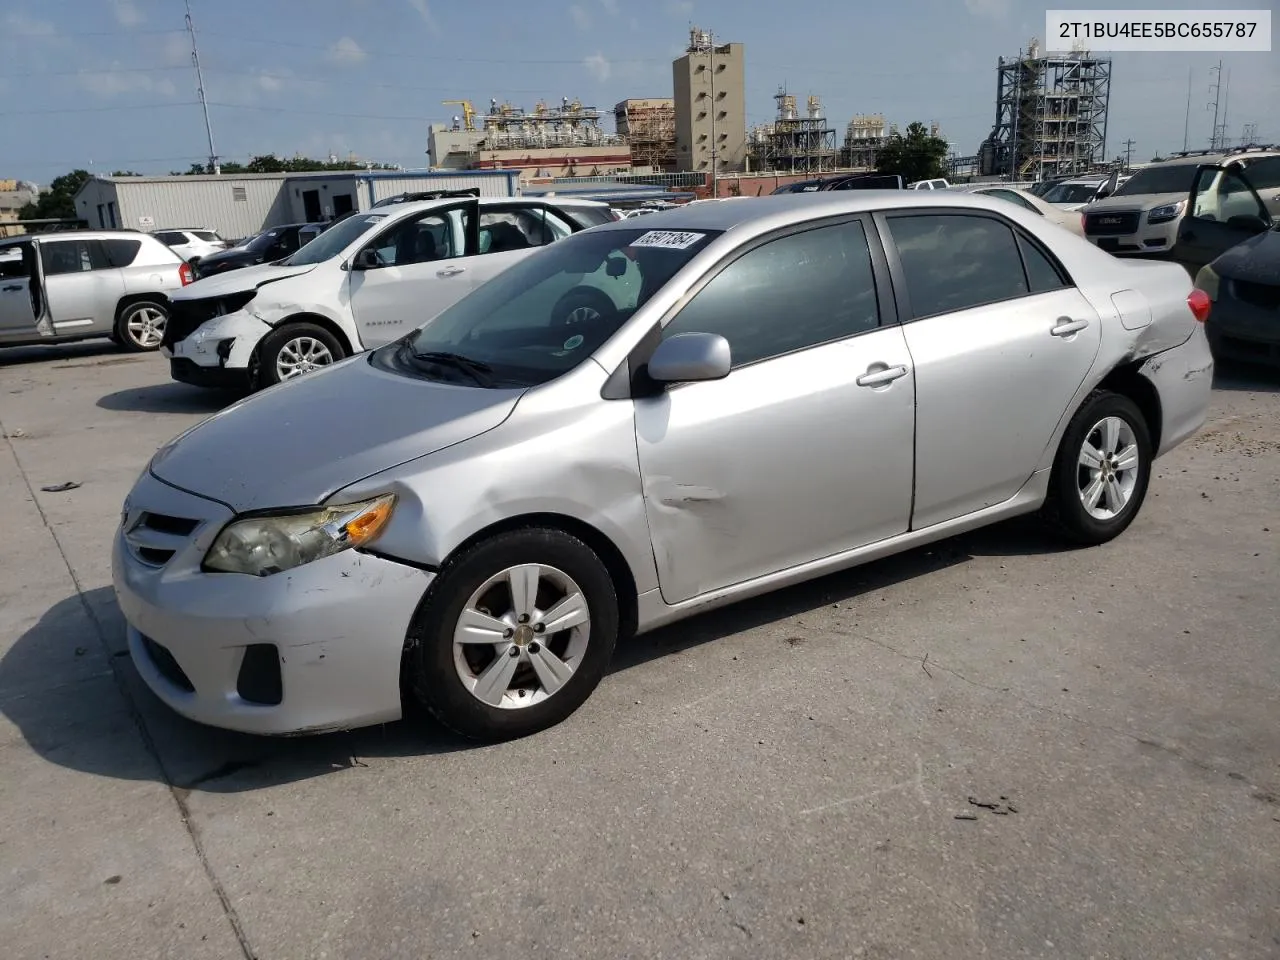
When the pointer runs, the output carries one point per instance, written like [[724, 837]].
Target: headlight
[[1208, 281], [261, 546], [1170, 211]]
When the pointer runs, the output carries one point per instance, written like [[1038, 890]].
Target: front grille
[[1264, 295], [168, 667], [186, 316], [155, 537], [1110, 224], [259, 679]]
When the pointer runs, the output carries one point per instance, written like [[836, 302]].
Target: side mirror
[[689, 357], [366, 259], [1102, 194]]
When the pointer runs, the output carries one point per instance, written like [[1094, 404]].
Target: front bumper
[[223, 343], [1150, 240], [311, 649]]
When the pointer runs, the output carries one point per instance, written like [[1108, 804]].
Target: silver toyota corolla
[[744, 395]]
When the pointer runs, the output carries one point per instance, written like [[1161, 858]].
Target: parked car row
[[591, 436]]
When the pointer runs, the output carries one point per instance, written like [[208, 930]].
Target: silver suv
[[74, 285], [1142, 216]]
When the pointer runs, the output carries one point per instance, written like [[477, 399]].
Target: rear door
[[17, 306], [1000, 339], [509, 232], [1222, 211], [80, 285]]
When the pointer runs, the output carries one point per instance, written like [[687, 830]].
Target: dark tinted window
[[953, 262], [171, 238], [1041, 271], [790, 293], [206, 235], [71, 256], [1175, 178], [590, 216], [1264, 174], [120, 253]]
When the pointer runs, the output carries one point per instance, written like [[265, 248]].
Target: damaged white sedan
[[744, 396]]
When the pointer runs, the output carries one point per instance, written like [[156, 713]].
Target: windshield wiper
[[477, 370]]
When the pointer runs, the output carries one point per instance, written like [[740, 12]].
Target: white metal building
[[238, 205]]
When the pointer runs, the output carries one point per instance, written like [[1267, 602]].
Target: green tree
[[126, 173], [60, 199], [917, 156]]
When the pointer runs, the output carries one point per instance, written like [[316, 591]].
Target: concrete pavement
[[779, 779]]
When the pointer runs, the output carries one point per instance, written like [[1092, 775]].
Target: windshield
[[1172, 179], [1072, 193], [334, 240], [550, 311]]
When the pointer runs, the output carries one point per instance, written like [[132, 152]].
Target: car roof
[[781, 208], [412, 206], [78, 235], [181, 229]]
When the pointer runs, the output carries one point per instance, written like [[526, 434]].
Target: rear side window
[[121, 253], [71, 256], [1042, 273], [171, 238], [590, 216], [953, 262], [1264, 174], [207, 235], [788, 294]]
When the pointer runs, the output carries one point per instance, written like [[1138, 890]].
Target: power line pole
[[1128, 153], [715, 163], [1217, 93], [1186, 124], [1249, 134], [1224, 141], [204, 104]]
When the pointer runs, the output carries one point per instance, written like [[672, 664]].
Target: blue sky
[[106, 84]]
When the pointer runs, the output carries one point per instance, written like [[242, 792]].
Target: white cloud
[[127, 13], [610, 7], [425, 13], [23, 27], [988, 9], [598, 67], [116, 81], [347, 51], [175, 50], [581, 19]]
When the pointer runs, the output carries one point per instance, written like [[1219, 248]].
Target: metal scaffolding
[[507, 127], [864, 138], [650, 127], [794, 143], [1051, 115]]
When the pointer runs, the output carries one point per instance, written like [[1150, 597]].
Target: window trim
[[630, 380], [1021, 235]]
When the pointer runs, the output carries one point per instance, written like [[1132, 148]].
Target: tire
[[582, 307], [140, 326], [1113, 425], [297, 341], [443, 674]]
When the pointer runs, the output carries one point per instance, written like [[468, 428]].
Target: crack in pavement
[[135, 714]]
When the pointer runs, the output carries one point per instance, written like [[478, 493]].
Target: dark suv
[[274, 243]]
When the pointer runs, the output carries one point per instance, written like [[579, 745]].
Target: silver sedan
[[641, 422]]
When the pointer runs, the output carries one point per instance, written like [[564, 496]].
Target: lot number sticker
[[668, 239]]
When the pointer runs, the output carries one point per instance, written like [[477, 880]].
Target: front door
[[804, 450], [1001, 341], [17, 306], [420, 269], [1222, 211], [80, 285]]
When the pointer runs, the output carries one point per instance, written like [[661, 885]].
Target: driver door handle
[[1066, 327], [878, 378], [13, 287], [450, 271]]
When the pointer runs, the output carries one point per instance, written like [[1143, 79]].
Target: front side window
[[417, 240], [548, 312], [955, 261], [788, 294], [15, 261], [1222, 195]]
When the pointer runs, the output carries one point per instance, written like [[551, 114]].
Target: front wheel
[[295, 349], [140, 326], [514, 635], [1102, 470]]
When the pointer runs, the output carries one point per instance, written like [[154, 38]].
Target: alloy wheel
[[521, 636], [146, 327], [1108, 467], [301, 355]]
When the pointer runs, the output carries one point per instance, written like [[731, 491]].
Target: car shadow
[[168, 398], [1245, 377], [79, 350], [70, 688], [1021, 536]]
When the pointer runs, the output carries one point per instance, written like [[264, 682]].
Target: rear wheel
[[140, 325], [514, 636], [1102, 470], [295, 349]]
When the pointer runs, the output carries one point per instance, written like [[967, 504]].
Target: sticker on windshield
[[574, 342], [668, 239]]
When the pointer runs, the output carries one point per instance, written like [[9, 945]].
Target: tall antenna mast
[[1217, 97], [1186, 124], [204, 104]]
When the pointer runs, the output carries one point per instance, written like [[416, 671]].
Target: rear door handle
[[450, 271], [13, 288], [878, 378], [1066, 327]]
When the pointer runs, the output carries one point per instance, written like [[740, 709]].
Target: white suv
[[365, 281], [191, 244], [78, 284]]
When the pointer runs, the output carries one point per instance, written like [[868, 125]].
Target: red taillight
[[186, 274], [1200, 304]]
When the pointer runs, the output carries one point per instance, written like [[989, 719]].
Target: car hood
[[1141, 201], [1256, 260], [299, 442], [238, 281]]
